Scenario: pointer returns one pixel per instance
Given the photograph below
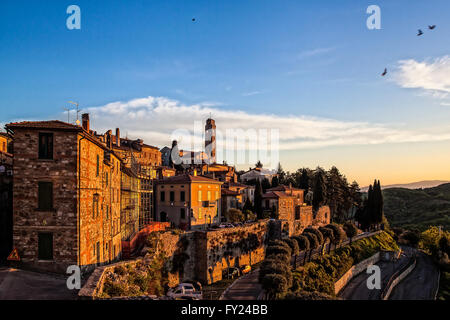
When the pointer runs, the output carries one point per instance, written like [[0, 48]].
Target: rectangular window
[[209, 195], [199, 195], [45, 195], [45, 246], [183, 213], [199, 213], [98, 165], [45, 145], [182, 196], [172, 196], [163, 196], [95, 206]]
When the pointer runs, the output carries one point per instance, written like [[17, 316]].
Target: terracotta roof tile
[[51, 124], [187, 178]]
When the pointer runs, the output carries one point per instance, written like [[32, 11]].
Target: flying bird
[[432, 27], [420, 32], [193, 19], [384, 72]]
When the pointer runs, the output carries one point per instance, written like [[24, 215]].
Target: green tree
[[319, 196], [258, 200], [275, 182], [350, 230], [234, 215], [259, 164], [304, 180], [275, 285], [303, 244], [313, 242], [265, 184], [248, 206], [281, 174]]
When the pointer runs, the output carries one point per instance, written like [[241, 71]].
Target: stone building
[[288, 203], [143, 160], [189, 202], [130, 201], [6, 205], [66, 196], [257, 174]]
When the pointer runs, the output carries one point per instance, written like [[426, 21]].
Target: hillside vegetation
[[418, 208]]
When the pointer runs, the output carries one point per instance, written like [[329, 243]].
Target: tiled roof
[[275, 194], [187, 178], [227, 192], [52, 124], [284, 188]]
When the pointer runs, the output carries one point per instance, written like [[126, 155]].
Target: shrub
[[279, 243], [305, 295], [321, 274], [293, 245], [350, 229], [317, 233], [338, 233], [281, 257], [410, 238], [275, 285], [327, 233], [234, 215], [313, 241], [275, 267], [303, 242], [274, 250]]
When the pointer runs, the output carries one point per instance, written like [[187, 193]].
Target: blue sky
[[283, 58]]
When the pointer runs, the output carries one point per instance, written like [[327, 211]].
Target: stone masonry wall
[[28, 220]]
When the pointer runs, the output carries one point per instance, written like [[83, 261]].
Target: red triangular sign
[[14, 255]]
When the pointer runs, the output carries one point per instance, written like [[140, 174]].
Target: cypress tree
[[258, 200], [319, 195], [304, 180]]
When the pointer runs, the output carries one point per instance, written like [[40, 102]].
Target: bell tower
[[210, 140]]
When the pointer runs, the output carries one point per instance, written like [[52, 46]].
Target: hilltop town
[[137, 220]]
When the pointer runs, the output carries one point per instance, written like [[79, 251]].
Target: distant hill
[[418, 208], [413, 185]]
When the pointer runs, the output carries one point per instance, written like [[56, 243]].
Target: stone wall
[[229, 247], [61, 221], [322, 216], [202, 255], [355, 270]]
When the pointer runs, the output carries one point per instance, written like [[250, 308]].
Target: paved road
[[357, 289], [26, 285], [248, 287], [420, 284], [245, 288]]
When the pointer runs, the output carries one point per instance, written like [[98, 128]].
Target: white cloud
[[433, 76], [155, 119], [252, 93], [314, 52]]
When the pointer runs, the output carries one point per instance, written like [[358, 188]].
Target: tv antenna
[[77, 110], [68, 114]]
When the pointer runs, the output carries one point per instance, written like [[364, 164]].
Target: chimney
[[85, 121], [118, 137], [109, 139]]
